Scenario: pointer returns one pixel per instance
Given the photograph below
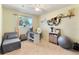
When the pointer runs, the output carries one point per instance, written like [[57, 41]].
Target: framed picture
[[58, 31]]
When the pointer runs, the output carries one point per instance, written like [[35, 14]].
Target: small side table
[[53, 37], [23, 37]]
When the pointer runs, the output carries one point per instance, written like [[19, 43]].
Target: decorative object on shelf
[[56, 20], [71, 12], [60, 15], [51, 29], [50, 23], [58, 31]]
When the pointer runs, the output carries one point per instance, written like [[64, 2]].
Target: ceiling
[[30, 8]]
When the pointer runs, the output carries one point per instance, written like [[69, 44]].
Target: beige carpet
[[43, 48]]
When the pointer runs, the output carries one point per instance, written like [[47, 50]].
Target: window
[[25, 21]]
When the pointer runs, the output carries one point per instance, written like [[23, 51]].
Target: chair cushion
[[10, 35], [10, 41]]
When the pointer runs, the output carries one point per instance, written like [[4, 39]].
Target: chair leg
[[2, 52]]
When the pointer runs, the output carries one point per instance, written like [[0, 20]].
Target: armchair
[[10, 42]]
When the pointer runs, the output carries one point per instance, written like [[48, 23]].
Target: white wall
[[9, 19], [68, 26], [0, 24]]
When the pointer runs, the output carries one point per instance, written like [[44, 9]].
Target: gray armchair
[[10, 42]]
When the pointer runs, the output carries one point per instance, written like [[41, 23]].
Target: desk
[[35, 37]]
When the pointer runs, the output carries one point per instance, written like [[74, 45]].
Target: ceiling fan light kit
[[37, 9]]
